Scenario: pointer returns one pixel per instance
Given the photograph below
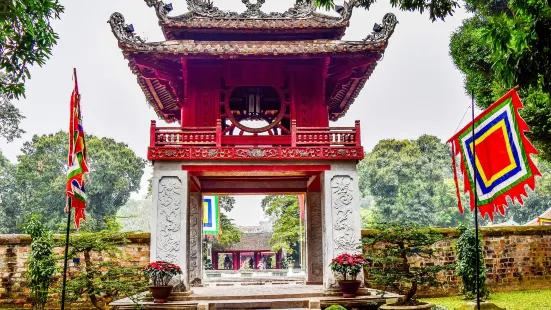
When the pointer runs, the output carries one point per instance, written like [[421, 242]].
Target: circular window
[[255, 110]]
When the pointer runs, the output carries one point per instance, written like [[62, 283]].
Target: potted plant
[[397, 252], [159, 274], [348, 267]]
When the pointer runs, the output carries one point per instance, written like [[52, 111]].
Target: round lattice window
[[259, 106]]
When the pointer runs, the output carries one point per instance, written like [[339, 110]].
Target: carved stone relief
[[314, 237], [169, 214], [195, 228], [344, 232]]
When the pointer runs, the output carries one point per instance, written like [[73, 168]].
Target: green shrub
[[390, 249], [105, 280], [41, 262], [335, 307], [466, 263]]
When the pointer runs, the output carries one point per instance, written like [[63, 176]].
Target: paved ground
[[272, 296]]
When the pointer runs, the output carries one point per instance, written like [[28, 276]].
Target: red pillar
[[215, 260], [235, 260], [256, 259], [278, 259]]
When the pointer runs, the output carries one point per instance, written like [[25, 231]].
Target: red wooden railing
[[212, 136]]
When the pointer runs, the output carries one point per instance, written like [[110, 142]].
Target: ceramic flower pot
[[160, 293], [421, 306], [349, 288]]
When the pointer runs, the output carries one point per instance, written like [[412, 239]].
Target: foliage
[[207, 264], [135, 214], [160, 273], [286, 212], [226, 203], [466, 263], [102, 281], [40, 178], [26, 39], [7, 196], [9, 117], [410, 180], [391, 264], [508, 43], [335, 307], [41, 265], [438, 9], [532, 299], [348, 265], [229, 235]]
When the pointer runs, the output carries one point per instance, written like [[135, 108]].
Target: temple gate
[[251, 95]]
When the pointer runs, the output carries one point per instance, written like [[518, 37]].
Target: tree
[[285, 210], [410, 180], [230, 234], [102, 281], [8, 208], [135, 215], [438, 9], [508, 43], [26, 39], [392, 263], [10, 117], [40, 178]]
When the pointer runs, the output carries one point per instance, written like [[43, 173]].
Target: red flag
[[77, 164]]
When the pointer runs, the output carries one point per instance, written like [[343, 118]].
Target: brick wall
[[517, 258], [15, 249]]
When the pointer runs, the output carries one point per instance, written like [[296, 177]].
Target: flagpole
[[66, 253], [68, 210], [475, 173]]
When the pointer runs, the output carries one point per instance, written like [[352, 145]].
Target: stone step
[[298, 303]]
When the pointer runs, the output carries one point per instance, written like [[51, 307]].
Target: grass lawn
[[525, 300]]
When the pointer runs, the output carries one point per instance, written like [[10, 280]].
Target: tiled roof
[[253, 242], [203, 14], [236, 48]]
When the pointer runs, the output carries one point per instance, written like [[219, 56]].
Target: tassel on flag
[[501, 161], [77, 162]]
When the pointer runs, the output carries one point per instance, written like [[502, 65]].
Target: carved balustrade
[[213, 136], [328, 136]]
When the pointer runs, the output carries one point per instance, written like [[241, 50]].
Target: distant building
[[252, 252]]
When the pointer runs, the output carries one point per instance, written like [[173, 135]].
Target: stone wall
[[15, 249], [517, 258]]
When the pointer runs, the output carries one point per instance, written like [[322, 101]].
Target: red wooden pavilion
[[252, 95]]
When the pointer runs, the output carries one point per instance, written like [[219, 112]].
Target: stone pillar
[[341, 217], [314, 240], [169, 237], [196, 239]]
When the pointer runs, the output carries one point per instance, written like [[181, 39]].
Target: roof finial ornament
[[382, 33], [161, 8], [206, 8], [345, 10], [253, 9], [122, 31]]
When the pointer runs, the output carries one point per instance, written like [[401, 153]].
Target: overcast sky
[[414, 90]]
